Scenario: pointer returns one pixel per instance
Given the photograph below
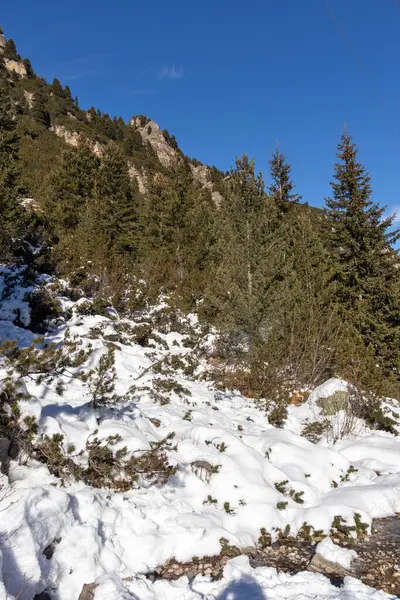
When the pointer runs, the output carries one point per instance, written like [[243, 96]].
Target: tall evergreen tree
[[281, 189], [57, 88], [117, 201], [245, 251], [10, 50], [366, 265], [39, 111], [72, 186], [11, 214], [177, 234]]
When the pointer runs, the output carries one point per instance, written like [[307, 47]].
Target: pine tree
[[39, 111], [11, 213], [116, 201], [10, 50], [57, 88], [30, 73], [245, 256], [366, 265], [72, 187], [177, 235], [282, 187]]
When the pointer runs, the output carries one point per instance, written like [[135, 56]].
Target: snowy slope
[[233, 470]]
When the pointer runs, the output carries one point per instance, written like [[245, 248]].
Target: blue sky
[[233, 77]]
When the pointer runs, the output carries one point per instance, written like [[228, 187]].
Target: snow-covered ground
[[236, 474]]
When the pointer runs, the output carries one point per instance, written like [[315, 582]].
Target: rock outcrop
[[73, 138], [152, 134], [15, 66]]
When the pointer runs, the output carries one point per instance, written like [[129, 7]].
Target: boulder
[[87, 592]]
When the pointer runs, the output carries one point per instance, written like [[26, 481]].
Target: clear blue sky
[[231, 77]]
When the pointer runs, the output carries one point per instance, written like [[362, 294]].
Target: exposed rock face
[[202, 174], [140, 177], [15, 66], [73, 138], [2, 40], [29, 98], [151, 133]]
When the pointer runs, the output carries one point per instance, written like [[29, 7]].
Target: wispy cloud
[[79, 75], [172, 72], [93, 58]]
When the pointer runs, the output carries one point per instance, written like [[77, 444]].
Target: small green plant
[[282, 505], [297, 496], [221, 447], [314, 431], [281, 486], [187, 416], [227, 549], [340, 529], [228, 509], [265, 540], [31, 427], [350, 470], [362, 529], [210, 500]]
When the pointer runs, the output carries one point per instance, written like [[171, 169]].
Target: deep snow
[[106, 536]]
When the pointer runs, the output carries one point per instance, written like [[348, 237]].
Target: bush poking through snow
[[44, 307], [121, 471], [102, 381], [108, 467]]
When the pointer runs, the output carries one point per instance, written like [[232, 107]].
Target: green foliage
[[282, 186], [365, 264], [102, 381], [10, 50], [210, 500], [314, 430], [44, 307], [11, 213]]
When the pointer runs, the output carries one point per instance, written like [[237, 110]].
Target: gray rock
[[87, 592], [319, 564]]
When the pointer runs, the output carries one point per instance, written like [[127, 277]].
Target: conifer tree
[[11, 214], [177, 234], [366, 265], [116, 202], [72, 186], [281, 189], [39, 111], [245, 251], [10, 50], [57, 88], [30, 73]]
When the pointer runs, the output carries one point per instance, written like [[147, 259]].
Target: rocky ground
[[377, 563]]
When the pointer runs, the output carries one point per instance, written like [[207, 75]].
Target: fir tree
[[244, 261], [282, 187], [116, 201], [177, 235], [11, 214], [39, 111], [57, 88], [366, 266], [30, 73], [10, 50], [72, 187]]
